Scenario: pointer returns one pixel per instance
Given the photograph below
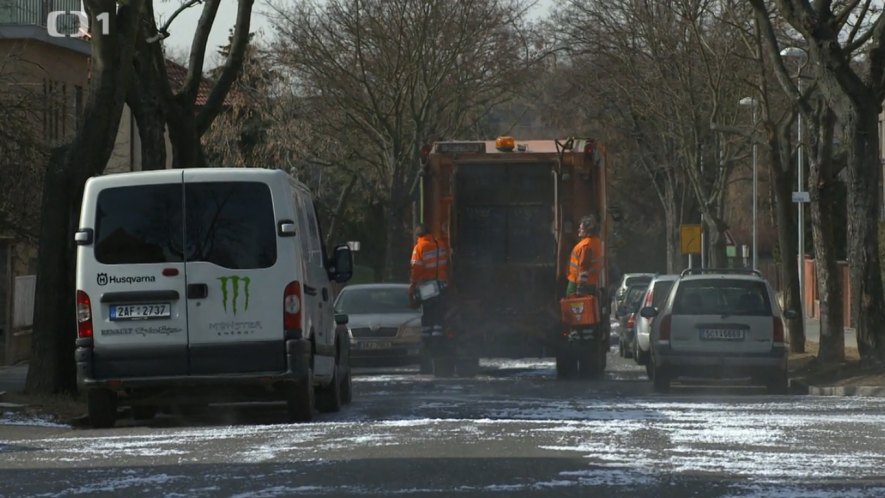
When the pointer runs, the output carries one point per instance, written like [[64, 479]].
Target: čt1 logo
[[72, 22]]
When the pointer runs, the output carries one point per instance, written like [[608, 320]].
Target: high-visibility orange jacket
[[430, 260], [585, 263]]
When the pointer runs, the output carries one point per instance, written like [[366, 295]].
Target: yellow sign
[[690, 239]]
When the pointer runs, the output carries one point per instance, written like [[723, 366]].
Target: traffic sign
[[801, 197], [690, 239]]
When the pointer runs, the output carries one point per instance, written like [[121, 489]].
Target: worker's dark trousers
[[434, 313]]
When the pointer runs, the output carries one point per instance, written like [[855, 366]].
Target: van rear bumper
[[298, 362]]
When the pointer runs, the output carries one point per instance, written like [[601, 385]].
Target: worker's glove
[[414, 301]]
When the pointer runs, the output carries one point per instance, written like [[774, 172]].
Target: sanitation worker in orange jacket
[[430, 262], [585, 263]]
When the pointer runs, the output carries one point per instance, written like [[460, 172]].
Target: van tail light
[[665, 328], [292, 306], [84, 315], [631, 321], [778, 328]]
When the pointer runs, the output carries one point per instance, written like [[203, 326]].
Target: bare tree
[[52, 365], [675, 64], [158, 106], [22, 154], [834, 33], [394, 75]]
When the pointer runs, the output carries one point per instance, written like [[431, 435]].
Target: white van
[[204, 285]]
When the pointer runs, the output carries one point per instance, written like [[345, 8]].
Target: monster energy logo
[[235, 283]]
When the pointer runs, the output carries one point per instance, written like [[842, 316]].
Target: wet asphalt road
[[513, 431]]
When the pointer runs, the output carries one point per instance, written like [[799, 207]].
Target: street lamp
[[750, 101], [802, 55]]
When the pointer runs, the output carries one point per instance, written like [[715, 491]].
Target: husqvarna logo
[[104, 279], [233, 292]]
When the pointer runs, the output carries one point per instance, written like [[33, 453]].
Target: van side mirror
[[648, 312], [791, 314], [342, 264], [341, 318]]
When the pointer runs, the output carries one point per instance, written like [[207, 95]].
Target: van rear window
[[139, 224], [230, 224]]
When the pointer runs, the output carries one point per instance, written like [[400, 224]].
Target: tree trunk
[[864, 175], [714, 229], [145, 99], [52, 368], [187, 149], [786, 238], [824, 194]]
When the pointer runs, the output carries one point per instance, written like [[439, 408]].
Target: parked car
[[626, 281], [655, 295], [626, 315], [383, 325], [719, 324]]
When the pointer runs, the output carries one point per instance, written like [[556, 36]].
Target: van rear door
[[235, 279], [133, 275]]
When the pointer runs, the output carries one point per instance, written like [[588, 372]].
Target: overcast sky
[[182, 29]]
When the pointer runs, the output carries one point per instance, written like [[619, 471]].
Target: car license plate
[[140, 311], [722, 334], [372, 345]]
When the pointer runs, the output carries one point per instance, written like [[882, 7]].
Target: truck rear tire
[[443, 366], [102, 407], [467, 367], [566, 364]]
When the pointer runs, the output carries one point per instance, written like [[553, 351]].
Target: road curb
[[871, 391]]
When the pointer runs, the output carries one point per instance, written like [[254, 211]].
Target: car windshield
[[381, 300], [722, 297]]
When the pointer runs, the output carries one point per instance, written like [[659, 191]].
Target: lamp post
[[801, 54], [750, 101]]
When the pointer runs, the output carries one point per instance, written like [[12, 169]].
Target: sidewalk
[[812, 333]]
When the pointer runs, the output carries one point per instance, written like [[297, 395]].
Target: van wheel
[[102, 407], [300, 401], [328, 398]]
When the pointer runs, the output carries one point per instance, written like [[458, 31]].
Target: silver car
[[655, 296], [719, 324], [383, 324]]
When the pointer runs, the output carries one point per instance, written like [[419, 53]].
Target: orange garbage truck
[[509, 211]]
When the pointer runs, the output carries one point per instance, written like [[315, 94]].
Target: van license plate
[[722, 334], [140, 311]]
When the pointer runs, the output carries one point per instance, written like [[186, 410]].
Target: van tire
[[300, 401], [346, 387], [102, 407], [328, 398], [660, 379]]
